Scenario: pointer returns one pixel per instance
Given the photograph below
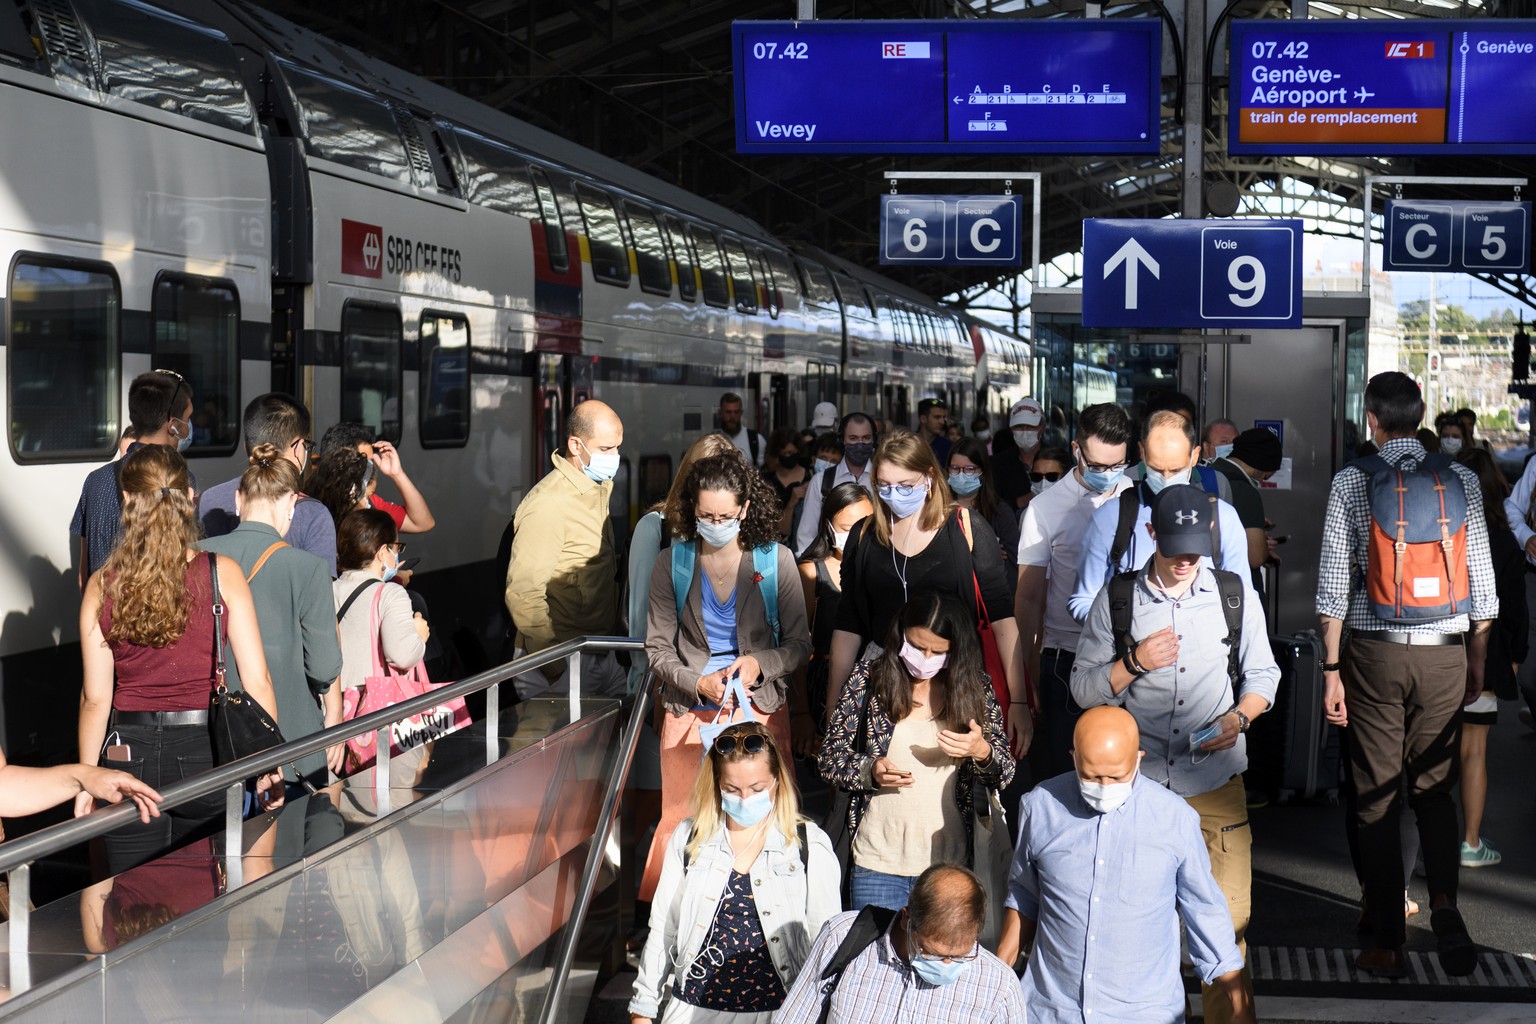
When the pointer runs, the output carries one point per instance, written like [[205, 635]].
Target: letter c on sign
[[1413, 248], [997, 237]]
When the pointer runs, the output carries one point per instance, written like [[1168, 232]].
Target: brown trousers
[[1229, 842]]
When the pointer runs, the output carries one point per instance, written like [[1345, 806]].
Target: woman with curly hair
[[147, 619], [342, 480], [716, 628]]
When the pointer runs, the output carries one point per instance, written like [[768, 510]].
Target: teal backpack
[[765, 564]]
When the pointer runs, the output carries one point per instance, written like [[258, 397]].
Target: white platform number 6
[[913, 236], [1246, 274]]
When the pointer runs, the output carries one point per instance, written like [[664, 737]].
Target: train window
[[742, 283], [444, 380], [495, 176], [556, 251], [818, 284], [195, 323], [785, 280], [605, 237], [65, 322], [682, 255], [370, 367], [770, 287], [348, 126], [162, 60], [655, 479], [650, 250], [711, 264]]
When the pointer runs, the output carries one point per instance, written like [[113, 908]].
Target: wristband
[[1131, 666], [1332, 666]]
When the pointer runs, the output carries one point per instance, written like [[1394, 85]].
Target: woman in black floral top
[[934, 729]]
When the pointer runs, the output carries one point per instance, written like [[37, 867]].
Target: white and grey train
[[201, 186]]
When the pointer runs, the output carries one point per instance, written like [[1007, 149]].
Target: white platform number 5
[[1246, 274], [1494, 246]]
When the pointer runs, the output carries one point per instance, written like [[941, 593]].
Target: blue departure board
[[1382, 88], [990, 86]]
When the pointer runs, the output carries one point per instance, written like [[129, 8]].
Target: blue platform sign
[[981, 86], [1192, 273], [952, 230], [1457, 235]]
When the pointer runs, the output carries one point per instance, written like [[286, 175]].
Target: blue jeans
[[878, 888]]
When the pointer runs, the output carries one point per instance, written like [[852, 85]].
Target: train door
[[563, 382], [770, 402]]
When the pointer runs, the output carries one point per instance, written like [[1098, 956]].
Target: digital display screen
[[948, 86], [1382, 88]]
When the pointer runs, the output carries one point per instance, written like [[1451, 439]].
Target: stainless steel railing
[[18, 856]]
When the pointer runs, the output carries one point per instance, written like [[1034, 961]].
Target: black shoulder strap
[[1230, 586], [1216, 558], [353, 597], [1122, 592], [826, 484], [752, 441], [1130, 505], [805, 850], [867, 928]]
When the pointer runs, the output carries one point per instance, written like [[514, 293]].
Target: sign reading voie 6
[[1457, 235], [950, 229], [1191, 273]]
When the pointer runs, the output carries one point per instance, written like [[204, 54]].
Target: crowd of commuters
[[854, 632]]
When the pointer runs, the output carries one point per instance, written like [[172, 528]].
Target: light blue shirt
[[1106, 892], [1093, 569], [1517, 507]]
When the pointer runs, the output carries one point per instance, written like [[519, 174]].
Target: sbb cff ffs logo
[[367, 252], [362, 249]]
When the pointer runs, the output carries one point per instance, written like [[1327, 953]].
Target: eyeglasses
[[1100, 467], [399, 548], [717, 520], [900, 490], [306, 445], [751, 743], [965, 471], [923, 954]]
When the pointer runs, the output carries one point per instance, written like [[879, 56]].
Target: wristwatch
[[1242, 719]]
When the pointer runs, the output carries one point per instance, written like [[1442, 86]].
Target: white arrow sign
[[1131, 254]]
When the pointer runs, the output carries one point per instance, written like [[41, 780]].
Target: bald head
[[947, 907], [1106, 745], [1169, 444], [596, 426]]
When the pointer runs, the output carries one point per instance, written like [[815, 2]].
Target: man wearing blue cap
[[1182, 647]]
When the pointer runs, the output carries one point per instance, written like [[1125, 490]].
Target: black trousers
[[161, 756]]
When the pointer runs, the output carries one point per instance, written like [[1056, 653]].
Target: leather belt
[[162, 719], [1411, 639]]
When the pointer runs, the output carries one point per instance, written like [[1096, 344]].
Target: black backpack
[[867, 928], [1130, 504], [1122, 591]]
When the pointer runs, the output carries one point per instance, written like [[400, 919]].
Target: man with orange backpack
[[1405, 570]]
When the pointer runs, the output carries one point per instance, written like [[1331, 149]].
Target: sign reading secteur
[[1382, 87], [952, 230], [992, 86]]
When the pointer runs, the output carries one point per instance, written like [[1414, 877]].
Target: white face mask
[[1450, 445], [1157, 481], [840, 538], [1027, 439], [1106, 796]]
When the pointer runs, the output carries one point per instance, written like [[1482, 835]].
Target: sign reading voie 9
[[947, 86], [1382, 87]]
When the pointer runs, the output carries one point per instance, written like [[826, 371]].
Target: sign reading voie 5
[[1191, 273]]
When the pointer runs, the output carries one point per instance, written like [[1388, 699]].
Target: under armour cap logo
[[1184, 518]]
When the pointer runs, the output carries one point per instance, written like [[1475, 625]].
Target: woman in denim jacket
[[745, 888], [934, 731]]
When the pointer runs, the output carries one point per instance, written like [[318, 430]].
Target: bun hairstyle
[[269, 476], [146, 575]]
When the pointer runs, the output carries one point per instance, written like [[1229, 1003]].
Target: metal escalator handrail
[[21, 852]]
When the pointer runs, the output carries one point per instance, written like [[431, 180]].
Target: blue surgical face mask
[[964, 486], [600, 466], [747, 811], [935, 972], [901, 507], [820, 466], [1157, 481], [182, 442], [1223, 450], [391, 570], [718, 535], [1099, 480]]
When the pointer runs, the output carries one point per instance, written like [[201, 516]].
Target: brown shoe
[[1384, 963]]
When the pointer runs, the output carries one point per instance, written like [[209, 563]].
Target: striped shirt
[[878, 985], [1346, 539]]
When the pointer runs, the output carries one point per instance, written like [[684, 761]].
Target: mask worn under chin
[[1450, 445], [718, 535], [1157, 481], [921, 667], [601, 466], [858, 454], [749, 810], [964, 486], [1106, 796]]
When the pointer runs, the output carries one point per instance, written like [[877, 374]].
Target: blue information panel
[[1382, 87], [1457, 235], [991, 86], [951, 229], [1191, 273]]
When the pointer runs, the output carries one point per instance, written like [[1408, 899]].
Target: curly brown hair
[[146, 575], [339, 481], [729, 473]]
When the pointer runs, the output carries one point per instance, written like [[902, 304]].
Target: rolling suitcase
[[1292, 752]]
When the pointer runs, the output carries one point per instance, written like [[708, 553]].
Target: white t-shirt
[[745, 446], [1052, 536]]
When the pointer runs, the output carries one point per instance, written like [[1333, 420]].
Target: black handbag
[[240, 727]]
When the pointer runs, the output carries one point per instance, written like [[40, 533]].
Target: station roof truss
[[649, 83]]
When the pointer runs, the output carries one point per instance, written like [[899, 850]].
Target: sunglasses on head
[[750, 743]]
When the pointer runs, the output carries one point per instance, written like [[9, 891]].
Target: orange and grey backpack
[[1416, 560]]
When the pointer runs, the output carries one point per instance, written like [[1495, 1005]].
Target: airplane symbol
[[1362, 94]]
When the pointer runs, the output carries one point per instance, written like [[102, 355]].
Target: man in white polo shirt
[[1050, 542]]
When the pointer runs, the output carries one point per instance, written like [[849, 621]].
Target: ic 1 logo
[[362, 249], [1423, 48]]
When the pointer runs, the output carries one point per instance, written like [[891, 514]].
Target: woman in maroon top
[[147, 619]]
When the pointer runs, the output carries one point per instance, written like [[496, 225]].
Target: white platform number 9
[[1246, 274], [1494, 246], [913, 236]]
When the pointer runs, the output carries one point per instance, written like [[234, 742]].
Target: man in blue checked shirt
[[1190, 703], [1108, 862]]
